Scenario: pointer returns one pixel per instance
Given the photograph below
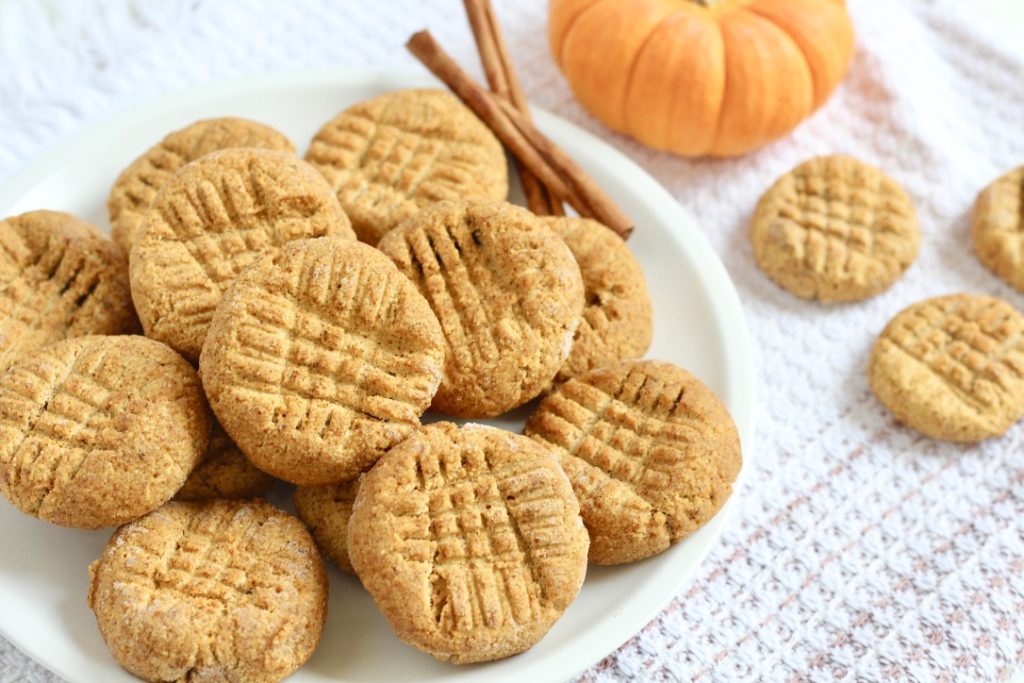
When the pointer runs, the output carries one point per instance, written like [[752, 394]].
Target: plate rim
[[741, 385]]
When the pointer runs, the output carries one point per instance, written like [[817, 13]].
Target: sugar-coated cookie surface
[[390, 156], [136, 187], [63, 279], [224, 472], [952, 367], [508, 294], [997, 227], [210, 591], [320, 358], [98, 431], [650, 450], [212, 219], [326, 510], [617, 321], [835, 229], [469, 540]]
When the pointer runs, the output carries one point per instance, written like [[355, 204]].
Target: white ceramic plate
[[698, 324]]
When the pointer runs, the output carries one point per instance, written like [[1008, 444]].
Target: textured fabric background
[[862, 551]]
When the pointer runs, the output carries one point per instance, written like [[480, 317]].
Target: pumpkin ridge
[[633, 66], [571, 26], [725, 91], [815, 81]]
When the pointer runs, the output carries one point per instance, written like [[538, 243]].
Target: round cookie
[[218, 590], [952, 367], [137, 186], [389, 157], [508, 294], [212, 219], [617, 321], [835, 229], [469, 540], [326, 510], [320, 358], [997, 227], [62, 279], [98, 431], [651, 453], [224, 472]]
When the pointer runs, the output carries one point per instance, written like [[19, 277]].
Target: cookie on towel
[[651, 452], [469, 540], [389, 157], [952, 367], [218, 590], [835, 229], [997, 227], [508, 294]]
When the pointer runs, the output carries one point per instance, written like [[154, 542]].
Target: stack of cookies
[[299, 318]]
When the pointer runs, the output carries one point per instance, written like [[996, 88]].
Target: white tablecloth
[[862, 551]]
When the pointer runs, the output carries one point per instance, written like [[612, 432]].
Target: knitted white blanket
[[862, 550]]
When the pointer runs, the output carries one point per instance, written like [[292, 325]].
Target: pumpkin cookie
[[617, 321], [391, 156], [224, 472], [212, 219], [326, 510], [508, 294], [97, 431], [651, 453], [218, 590], [997, 226], [952, 367], [470, 541], [835, 229], [137, 186], [62, 279], [320, 358]]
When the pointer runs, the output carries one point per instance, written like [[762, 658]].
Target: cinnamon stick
[[552, 166], [501, 77]]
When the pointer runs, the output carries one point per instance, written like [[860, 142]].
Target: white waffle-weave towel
[[862, 551]]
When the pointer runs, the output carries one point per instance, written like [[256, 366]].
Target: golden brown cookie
[[508, 294], [219, 590], [952, 367], [212, 219], [997, 226], [389, 157], [470, 541], [98, 431], [320, 358], [224, 472], [325, 510], [835, 229], [651, 453], [62, 279], [136, 187], [617, 321]]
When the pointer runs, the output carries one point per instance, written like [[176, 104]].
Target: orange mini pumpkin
[[696, 77]]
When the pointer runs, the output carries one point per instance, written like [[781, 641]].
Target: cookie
[[651, 452], [320, 358], [98, 431], [137, 186], [617, 321], [997, 227], [508, 294], [224, 472], [62, 279], [212, 219], [389, 157], [835, 229], [325, 510], [952, 367], [218, 590], [469, 540]]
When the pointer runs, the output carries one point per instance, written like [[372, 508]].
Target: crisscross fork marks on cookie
[[483, 529], [954, 344]]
